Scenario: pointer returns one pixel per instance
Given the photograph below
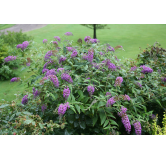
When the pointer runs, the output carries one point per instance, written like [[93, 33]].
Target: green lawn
[[130, 36], [4, 26]]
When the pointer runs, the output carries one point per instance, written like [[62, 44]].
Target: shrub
[[6, 73], [3, 51]]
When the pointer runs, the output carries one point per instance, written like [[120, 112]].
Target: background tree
[[95, 27]]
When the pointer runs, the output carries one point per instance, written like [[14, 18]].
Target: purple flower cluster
[[109, 48], [68, 34], [118, 81], [69, 49], [35, 92], [48, 55], [87, 39], [125, 119], [66, 93], [66, 77], [126, 97], [45, 65], [15, 79], [43, 79], [45, 70], [10, 58], [97, 66], [28, 64], [153, 116], [57, 38], [43, 107], [51, 72], [25, 99], [91, 90], [44, 40], [60, 69], [62, 108], [133, 68], [137, 126], [112, 66], [108, 94], [54, 79], [146, 69], [90, 55], [110, 102], [62, 59], [23, 45], [55, 42], [138, 84], [85, 56], [74, 54], [94, 40], [101, 53], [163, 79]]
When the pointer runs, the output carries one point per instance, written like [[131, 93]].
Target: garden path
[[24, 27]]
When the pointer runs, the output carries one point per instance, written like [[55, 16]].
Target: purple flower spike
[[44, 40], [118, 81], [68, 34], [62, 59], [153, 116], [66, 77], [87, 39], [110, 102], [125, 119], [126, 97], [55, 42], [146, 69], [133, 68], [74, 54], [15, 79], [43, 107], [57, 38], [19, 46], [137, 126], [51, 72], [35, 92], [66, 93], [10, 58], [91, 90], [62, 108], [54, 79], [25, 99]]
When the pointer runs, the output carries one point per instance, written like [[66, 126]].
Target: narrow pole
[[94, 34]]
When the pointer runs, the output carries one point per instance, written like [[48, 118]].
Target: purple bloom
[[66, 77], [58, 38], [126, 97], [35, 92], [55, 42], [112, 66], [138, 84], [94, 40], [163, 79], [19, 46], [91, 90], [25, 99], [137, 126], [60, 69], [62, 59], [54, 79], [51, 72], [48, 55], [24, 45], [133, 68], [110, 102], [43, 107], [68, 34], [101, 53], [146, 69], [62, 108], [69, 49], [109, 48], [153, 116], [74, 54], [118, 81], [87, 39], [45, 70], [15, 79], [44, 40], [108, 94], [125, 119], [28, 64], [90, 55], [85, 56], [10, 58], [66, 93], [45, 65], [43, 79]]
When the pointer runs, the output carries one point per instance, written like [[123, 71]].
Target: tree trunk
[[94, 33]]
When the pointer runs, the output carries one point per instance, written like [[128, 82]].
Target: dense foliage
[[85, 89]]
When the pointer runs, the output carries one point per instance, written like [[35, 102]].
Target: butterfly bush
[[66, 93], [110, 102], [146, 69], [44, 40], [91, 90], [74, 54], [137, 126], [62, 108], [25, 99], [43, 79], [57, 38], [87, 39], [66, 77], [15, 79], [10, 58], [125, 119], [118, 81], [68, 34]]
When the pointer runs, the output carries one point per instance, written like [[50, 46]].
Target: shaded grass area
[[4, 26], [130, 36]]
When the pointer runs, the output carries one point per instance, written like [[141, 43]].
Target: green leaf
[[4, 105], [102, 116], [28, 121], [159, 102], [11, 117], [41, 125], [27, 113], [76, 124], [82, 125], [78, 108], [66, 132], [95, 119], [113, 122], [106, 122], [101, 103]]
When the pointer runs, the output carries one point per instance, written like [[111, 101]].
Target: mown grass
[[130, 36], [4, 26]]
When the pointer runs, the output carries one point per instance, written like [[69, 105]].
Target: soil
[[23, 27]]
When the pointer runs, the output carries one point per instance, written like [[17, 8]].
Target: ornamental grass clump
[[125, 119]]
